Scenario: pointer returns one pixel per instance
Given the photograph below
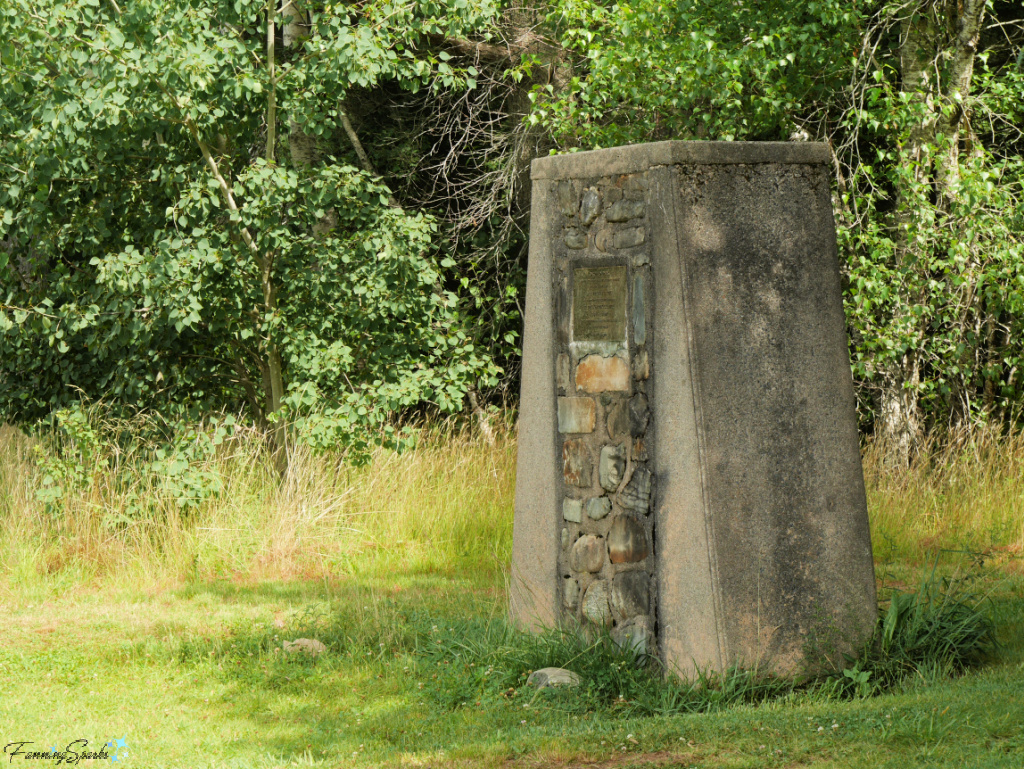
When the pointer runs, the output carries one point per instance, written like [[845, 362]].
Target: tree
[[161, 251], [936, 243], [127, 133]]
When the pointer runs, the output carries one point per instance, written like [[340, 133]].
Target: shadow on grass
[[423, 665], [374, 689], [421, 670]]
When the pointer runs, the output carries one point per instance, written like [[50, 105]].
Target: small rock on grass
[[553, 677], [309, 646]]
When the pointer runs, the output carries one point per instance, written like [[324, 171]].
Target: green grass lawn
[[193, 676], [167, 631]]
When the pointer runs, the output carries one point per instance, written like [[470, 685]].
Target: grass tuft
[[943, 627]]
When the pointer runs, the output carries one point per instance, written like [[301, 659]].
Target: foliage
[[647, 70], [81, 449], [942, 630], [943, 627], [934, 256], [957, 305], [73, 466], [102, 494], [159, 246], [153, 257]]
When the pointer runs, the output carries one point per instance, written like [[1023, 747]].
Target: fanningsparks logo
[[73, 752]]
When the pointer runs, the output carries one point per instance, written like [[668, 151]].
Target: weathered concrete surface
[[535, 529], [688, 600], [641, 157], [780, 460]]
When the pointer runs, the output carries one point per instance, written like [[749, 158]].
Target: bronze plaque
[[599, 304]]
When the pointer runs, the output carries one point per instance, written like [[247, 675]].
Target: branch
[[364, 159], [29, 310], [222, 183], [272, 91], [238, 364], [485, 52], [506, 52], [481, 417]]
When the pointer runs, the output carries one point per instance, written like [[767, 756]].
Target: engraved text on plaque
[[599, 304]]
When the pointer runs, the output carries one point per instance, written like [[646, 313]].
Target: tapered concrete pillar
[[689, 473]]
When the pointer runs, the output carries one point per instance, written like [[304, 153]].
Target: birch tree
[[937, 50]]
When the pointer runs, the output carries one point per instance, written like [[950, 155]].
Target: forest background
[[315, 215]]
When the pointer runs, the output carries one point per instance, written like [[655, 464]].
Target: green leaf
[[116, 38]]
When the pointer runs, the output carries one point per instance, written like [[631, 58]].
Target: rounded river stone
[[629, 594], [587, 554], [639, 414], [637, 494], [598, 507], [595, 603], [634, 634], [571, 593], [612, 466], [590, 206], [575, 239], [627, 541], [618, 420]]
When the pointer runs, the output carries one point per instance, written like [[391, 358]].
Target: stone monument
[[689, 471]]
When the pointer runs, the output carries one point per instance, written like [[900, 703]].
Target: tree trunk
[[301, 146], [273, 373], [939, 39], [898, 424], [967, 28], [898, 419]]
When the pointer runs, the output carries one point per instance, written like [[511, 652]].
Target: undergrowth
[[83, 502], [963, 491], [97, 497], [943, 629]]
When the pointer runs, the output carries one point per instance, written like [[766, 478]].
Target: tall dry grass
[[966, 492], [443, 505]]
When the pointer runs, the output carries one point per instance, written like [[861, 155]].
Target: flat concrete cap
[[635, 158]]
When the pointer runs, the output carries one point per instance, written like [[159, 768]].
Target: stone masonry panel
[[603, 379]]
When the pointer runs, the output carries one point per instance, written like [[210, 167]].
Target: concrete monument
[[689, 471]]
